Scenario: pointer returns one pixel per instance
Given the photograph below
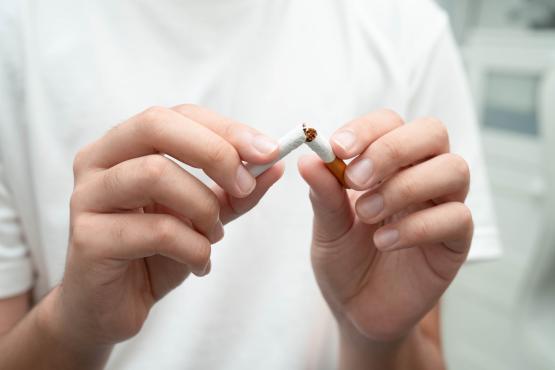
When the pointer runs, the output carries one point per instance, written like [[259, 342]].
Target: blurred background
[[501, 314]]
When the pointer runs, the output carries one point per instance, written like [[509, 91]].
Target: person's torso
[[272, 65]]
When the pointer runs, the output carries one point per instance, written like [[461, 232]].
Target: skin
[[139, 225], [134, 231], [380, 290], [12, 310]]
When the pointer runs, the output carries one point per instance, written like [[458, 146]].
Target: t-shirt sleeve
[[15, 266], [438, 87], [16, 275]]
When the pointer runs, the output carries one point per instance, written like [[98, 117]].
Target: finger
[[402, 147], [252, 145], [148, 180], [135, 235], [448, 223], [441, 179], [232, 207], [214, 236], [333, 215], [169, 273], [161, 130], [354, 137]]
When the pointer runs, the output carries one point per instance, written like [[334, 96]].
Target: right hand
[[140, 223]]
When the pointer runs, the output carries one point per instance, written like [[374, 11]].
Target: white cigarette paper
[[318, 143], [289, 142], [321, 146]]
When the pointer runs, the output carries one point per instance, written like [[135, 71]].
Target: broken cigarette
[[318, 143], [321, 146], [287, 143]]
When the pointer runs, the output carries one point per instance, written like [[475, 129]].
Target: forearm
[[37, 343]]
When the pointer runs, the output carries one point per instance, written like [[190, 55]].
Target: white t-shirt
[[71, 69]]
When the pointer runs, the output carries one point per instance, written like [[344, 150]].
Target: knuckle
[[421, 229], [366, 123], [119, 232], [211, 209], [80, 160], [392, 116], [389, 148], [433, 122], [165, 229], [78, 232], [111, 180], [152, 168], [465, 216], [437, 130], [460, 167], [148, 124], [76, 199], [231, 130], [187, 108], [154, 114], [408, 189], [201, 252], [219, 151]]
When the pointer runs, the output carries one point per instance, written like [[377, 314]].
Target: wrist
[[411, 350], [60, 330], [359, 351]]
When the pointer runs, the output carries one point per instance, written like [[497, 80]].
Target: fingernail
[[370, 207], [245, 181], [386, 238], [345, 139], [360, 172], [217, 232], [264, 144]]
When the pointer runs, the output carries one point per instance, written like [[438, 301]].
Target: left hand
[[384, 252]]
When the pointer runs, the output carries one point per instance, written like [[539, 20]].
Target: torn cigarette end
[[321, 146], [309, 133], [318, 143], [337, 168]]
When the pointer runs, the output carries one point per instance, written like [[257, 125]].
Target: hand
[[384, 252], [140, 223]]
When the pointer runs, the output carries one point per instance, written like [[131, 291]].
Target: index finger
[[252, 145], [354, 137], [162, 130]]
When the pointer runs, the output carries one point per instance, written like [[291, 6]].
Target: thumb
[[333, 214]]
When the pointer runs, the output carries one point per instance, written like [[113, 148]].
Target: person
[[103, 256]]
